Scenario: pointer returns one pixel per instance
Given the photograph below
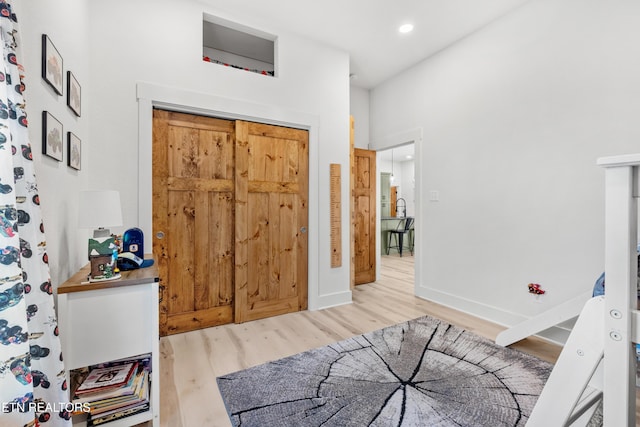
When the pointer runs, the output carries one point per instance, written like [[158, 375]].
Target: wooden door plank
[[259, 163], [274, 187], [221, 226], [182, 154], [181, 252], [258, 246], [160, 198], [204, 283], [288, 253], [264, 309], [274, 249], [200, 184], [241, 220], [200, 319]]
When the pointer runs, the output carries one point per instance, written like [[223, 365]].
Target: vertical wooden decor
[[336, 226]]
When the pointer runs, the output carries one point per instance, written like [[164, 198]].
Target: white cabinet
[[105, 321]]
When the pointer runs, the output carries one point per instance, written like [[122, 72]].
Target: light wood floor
[[190, 362]]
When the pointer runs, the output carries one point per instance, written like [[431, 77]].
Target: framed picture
[[74, 100], [73, 151], [51, 65], [52, 136]]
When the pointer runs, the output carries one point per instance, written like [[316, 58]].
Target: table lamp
[[98, 209]]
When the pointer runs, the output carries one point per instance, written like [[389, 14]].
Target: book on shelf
[[118, 399], [140, 395], [108, 392], [106, 377], [139, 402], [116, 416]]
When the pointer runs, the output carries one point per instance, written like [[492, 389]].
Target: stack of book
[[115, 390]]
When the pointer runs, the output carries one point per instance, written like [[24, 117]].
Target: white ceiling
[[368, 29]]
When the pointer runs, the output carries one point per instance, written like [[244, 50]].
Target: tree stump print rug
[[423, 372]]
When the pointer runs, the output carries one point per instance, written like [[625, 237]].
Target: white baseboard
[[332, 300], [557, 335]]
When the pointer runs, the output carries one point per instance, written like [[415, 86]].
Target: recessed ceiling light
[[406, 28]]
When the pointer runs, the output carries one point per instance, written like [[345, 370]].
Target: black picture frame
[[74, 94], [52, 136], [74, 151], [52, 65]]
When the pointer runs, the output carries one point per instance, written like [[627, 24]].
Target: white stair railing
[[621, 270], [554, 316], [599, 358]]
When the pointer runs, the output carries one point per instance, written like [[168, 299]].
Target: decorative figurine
[[535, 288]]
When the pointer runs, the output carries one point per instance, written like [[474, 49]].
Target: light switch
[[434, 195]]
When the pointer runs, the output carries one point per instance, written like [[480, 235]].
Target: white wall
[[66, 23], [157, 43], [359, 109], [514, 118], [407, 186]]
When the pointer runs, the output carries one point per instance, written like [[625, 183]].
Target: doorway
[[397, 189]]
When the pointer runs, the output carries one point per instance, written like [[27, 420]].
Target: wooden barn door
[[193, 203], [229, 220], [364, 200], [271, 220]]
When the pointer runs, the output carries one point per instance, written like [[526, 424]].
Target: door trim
[[154, 96]]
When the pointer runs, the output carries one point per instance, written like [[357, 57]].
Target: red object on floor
[[534, 288]]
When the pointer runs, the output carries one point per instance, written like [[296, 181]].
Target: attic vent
[[232, 45]]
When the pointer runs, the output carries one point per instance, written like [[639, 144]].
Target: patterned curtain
[[32, 376]]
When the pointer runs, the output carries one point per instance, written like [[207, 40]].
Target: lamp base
[[101, 232]]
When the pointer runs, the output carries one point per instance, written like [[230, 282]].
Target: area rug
[[423, 372]]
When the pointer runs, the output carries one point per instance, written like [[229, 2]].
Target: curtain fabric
[[33, 390]]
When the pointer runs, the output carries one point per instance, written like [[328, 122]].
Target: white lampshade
[[98, 210]]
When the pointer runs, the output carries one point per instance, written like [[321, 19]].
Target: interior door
[[364, 200], [193, 210], [271, 184]]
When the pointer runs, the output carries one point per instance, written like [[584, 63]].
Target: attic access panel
[[232, 45]]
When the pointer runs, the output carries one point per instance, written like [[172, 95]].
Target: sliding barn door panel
[[271, 220], [193, 210]]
